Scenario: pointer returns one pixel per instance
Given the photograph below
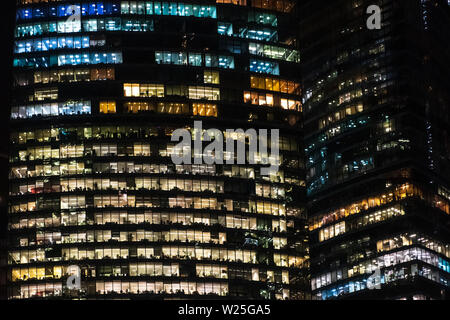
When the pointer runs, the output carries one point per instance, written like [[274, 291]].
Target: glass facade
[[377, 149], [92, 184]]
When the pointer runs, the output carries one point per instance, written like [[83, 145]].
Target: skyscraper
[[7, 25], [376, 109], [99, 88]]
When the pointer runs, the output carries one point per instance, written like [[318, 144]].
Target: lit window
[[108, 107], [173, 108], [205, 93], [211, 77], [204, 110], [143, 90], [135, 107]]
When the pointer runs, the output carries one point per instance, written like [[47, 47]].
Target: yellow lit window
[[261, 99], [237, 2], [269, 85], [131, 90], [254, 82], [247, 97], [205, 93], [292, 88], [151, 90], [110, 74], [291, 104], [143, 90], [108, 107], [211, 77], [57, 272], [135, 107], [141, 149], [284, 86], [276, 85], [102, 74], [261, 85], [173, 108], [46, 94], [15, 274], [273, 84], [127, 89], [204, 110], [40, 273]]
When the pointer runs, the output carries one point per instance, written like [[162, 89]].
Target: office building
[[99, 88], [376, 110]]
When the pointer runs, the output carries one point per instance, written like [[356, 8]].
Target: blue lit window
[[65, 10], [225, 28], [168, 9], [69, 26], [158, 9], [259, 34], [225, 62], [86, 25], [53, 11], [111, 8], [90, 25], [261, 66], [38, 45], [85, 42], [136, 25], [37, 29], [74, 107], [112, 24], [194, 59], [126, 7], [148, 8], [22, 47], [52, 44], [32, 62], [263, 18], [92, 58], [51, 109], [46, 44], [52, 27], [39, 12]]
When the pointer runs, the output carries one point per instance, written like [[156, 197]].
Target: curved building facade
[[377, 149], [100, 86]]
